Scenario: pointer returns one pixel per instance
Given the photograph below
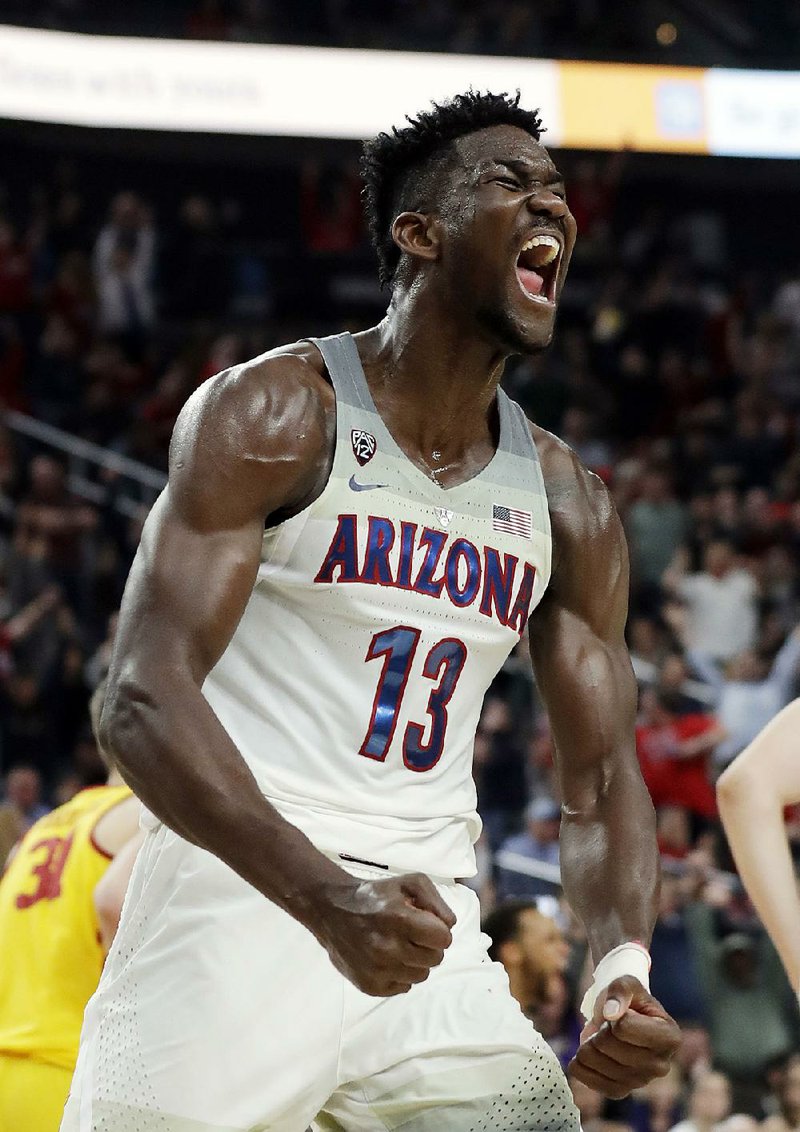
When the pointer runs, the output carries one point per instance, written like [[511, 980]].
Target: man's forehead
[[501, 144]]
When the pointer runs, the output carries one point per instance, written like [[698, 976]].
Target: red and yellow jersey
[[50, 953]]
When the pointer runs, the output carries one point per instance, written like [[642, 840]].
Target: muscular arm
[[254, 442], [248, 444], [751, 794], [609, 860]]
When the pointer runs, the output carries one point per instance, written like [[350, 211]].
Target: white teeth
[[549, 242]]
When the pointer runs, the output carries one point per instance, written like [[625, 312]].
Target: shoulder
[[583, 518], [578, 499], [262, 431], [247, 402]]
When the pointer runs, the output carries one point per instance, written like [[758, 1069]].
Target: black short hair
[[396, 167], [502, 923]]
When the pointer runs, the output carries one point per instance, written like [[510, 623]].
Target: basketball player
[[51, 955], [355, 532], [752, 794]]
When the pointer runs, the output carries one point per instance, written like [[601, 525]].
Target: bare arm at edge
[[109, 892], [256, 441], [248, 443], [609, 857], [752, 793]]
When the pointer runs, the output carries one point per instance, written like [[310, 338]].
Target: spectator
[[647, 647], [21, 806], [674, 752], [52, 525], [538, 843], [531, 948], [499, 764], [687, 695], [720, 602], [751, 1013], [748, 693], [195, 273], [709, 1104], [124, 261], [657, 1107], [673, 976], [656, 526]]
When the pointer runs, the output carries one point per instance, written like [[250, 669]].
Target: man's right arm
[[255, 441]]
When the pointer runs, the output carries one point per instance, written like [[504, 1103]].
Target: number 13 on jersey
[[443, 665]]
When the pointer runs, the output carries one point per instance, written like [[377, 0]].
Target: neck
[[115, 778], [422, 357]]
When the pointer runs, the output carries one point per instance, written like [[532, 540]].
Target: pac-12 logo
[[364, 445]]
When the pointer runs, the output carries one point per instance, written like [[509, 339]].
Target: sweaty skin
[[257, 443]]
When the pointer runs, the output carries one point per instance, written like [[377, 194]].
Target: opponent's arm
[[609, 858], [751, 794], [254, 442], [109, 892]]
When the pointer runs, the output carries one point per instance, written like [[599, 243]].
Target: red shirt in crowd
[[671, 780]]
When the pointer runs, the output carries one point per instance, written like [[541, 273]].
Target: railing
[[140, 485], [551, 874]]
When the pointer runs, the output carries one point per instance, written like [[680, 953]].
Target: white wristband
[[627, 959]]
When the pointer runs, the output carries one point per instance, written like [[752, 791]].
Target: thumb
[[422, 893], [616, 1000]]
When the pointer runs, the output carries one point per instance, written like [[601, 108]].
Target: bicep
[[246, 445], [589, 690], [578, 648], [187, 589]]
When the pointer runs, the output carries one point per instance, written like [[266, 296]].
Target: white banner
[[240, 88], [753, 113]]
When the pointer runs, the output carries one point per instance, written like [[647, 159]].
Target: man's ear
[[417, 234]]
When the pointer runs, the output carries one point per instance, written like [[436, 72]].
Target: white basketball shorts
[[217, 1012]]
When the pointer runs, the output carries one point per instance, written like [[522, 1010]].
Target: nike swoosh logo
[[356, 486]]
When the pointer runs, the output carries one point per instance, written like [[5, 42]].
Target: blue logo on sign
[[679, 109]]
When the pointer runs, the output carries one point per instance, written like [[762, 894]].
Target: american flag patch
[[512, 521]]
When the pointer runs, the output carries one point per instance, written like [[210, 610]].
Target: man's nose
[[548, 203]]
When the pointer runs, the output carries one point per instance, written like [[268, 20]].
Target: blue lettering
[[380, 541], [407, 533], [342, 553], [424, 583], [519, 614], [498, 583], [462, 549]]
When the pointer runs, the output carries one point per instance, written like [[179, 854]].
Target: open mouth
[[537, 267]]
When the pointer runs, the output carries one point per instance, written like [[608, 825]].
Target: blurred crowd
[[717, 31], [674, 375]]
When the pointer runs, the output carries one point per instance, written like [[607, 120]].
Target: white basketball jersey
[[381, 613]]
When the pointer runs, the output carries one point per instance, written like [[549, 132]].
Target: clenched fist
[[385, 935], [630, 1040]]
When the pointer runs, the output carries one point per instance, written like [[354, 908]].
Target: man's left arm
[[609, 857]]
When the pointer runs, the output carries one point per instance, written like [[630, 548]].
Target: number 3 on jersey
[[443, 665]]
